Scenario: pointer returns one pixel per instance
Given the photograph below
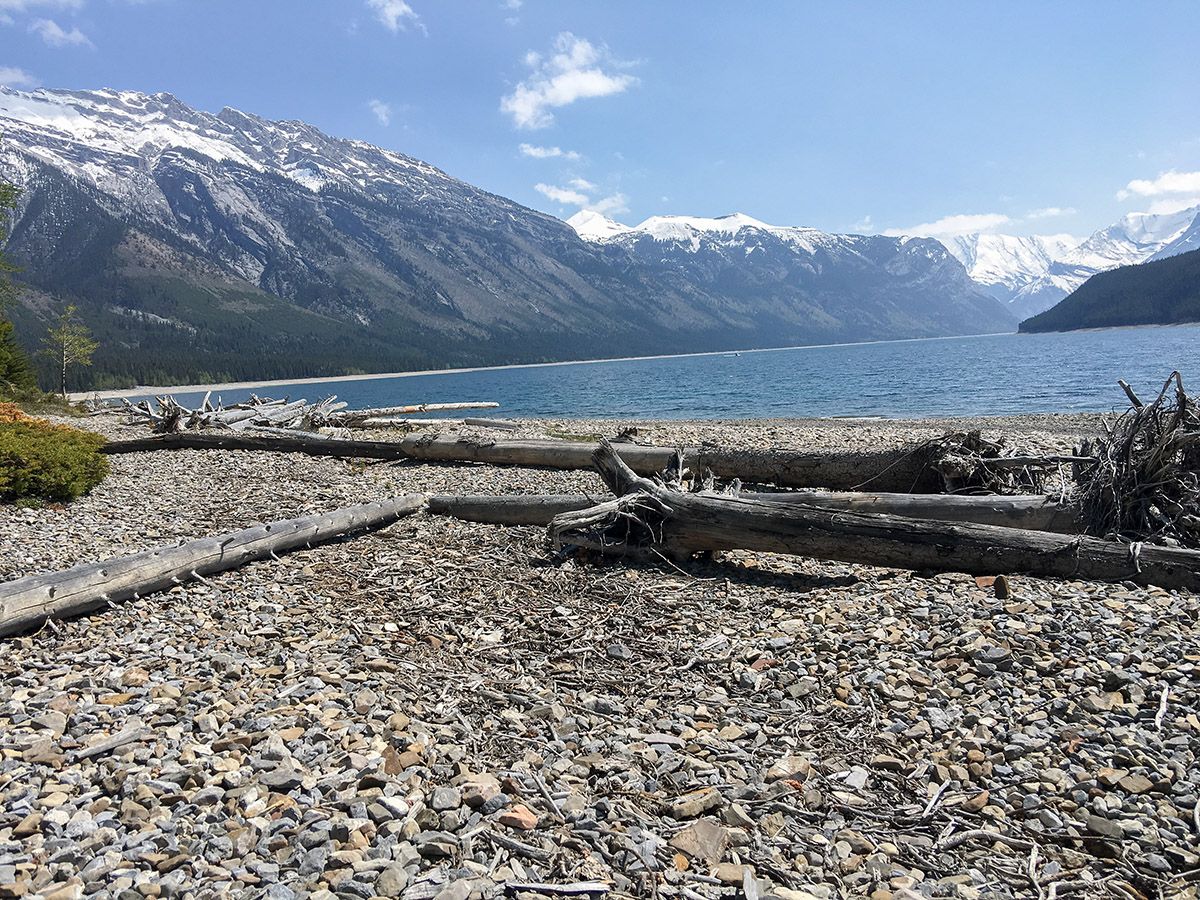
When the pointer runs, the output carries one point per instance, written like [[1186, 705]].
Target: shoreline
[[143, 390]]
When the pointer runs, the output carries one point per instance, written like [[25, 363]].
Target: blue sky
[[1022, 117]]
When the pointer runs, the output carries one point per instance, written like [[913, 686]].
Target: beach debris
[[648, 520], [26, 603], [1145, 482]]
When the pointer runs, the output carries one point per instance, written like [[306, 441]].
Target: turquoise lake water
[[981, 375]]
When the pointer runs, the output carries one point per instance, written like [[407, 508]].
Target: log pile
[[267, 415]]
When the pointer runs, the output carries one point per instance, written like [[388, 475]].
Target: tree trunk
[[26, 603], [647, 518], [904, 469], [1030, 512]]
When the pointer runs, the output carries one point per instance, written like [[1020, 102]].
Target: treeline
[[1164, 292]]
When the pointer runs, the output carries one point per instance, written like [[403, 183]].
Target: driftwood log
[[648, 519], [908, 469], [26, 603], [1031, 512]]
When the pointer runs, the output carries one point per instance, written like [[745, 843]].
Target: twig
[[1162, 708]]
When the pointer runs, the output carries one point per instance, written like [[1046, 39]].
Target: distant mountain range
[[204, 246], [1164, 291], [1031, 274]]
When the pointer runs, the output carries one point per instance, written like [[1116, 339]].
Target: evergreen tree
[[69, 344], [16, 374]]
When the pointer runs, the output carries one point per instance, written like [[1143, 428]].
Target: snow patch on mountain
[[1006, 260]]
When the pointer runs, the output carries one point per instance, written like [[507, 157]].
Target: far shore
[[143, 390]]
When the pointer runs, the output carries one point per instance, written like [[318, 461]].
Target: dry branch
[[648, 518], [27, 602]]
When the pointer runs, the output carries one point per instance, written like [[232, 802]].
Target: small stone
[[391, 881], [889, 763], [282, 780], [479, 789], [445, 798], [1135, 784], [704, 839], [1106, 828], [694, 804], [518, 816], [976, 803], [29, 825], [789, 768]]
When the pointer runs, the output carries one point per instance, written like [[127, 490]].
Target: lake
[[980, 375]]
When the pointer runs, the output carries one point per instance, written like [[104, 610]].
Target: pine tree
[[16, 373], [69, 344]]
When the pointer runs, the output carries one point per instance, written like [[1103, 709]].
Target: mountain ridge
[[225, 246]]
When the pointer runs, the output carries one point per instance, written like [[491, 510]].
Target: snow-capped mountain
[[1032, 274], [225, 245]]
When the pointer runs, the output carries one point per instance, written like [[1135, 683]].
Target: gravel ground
[[442, 710]]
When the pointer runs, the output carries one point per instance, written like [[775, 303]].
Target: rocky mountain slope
[[1031, 274], [1161, 292], [208, 246]]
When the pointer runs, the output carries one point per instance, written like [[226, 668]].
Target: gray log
[[905, 469], [1033, 512], [26, 603], [647, 518]]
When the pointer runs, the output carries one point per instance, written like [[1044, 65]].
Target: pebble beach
[[444, 709]]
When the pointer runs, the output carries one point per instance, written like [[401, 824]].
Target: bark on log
[[382, 412], [1030, 512], [507, 509], [647, 518], [904, 469], [26, 603]]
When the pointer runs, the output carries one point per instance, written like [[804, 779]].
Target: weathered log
[[905, 469], [507, 509], [647, 518], [27, 602], [1036, 512]]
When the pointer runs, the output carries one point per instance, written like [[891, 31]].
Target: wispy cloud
[[863, 226], [396, 15], [579, 195], [536, 152], [575, 70], [54, 35], [562, 195], [950, 226], [382, 111], [1168, 205], [14, 77], [1166, 183], [1051, 212], [20, 6]]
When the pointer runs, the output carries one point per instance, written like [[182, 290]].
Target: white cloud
[[382, 111], [612, 205], [396, 15], [536, 152], [20, 6], [561, 195], [574, 71], [1171, 182], [54, 35], [949, 226], [863, 226], [1051, 212], [1170, 205], [14, 77]]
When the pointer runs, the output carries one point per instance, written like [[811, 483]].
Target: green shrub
[[41, 461]]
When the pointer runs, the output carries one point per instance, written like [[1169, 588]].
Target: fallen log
[[905, 469], [647, 519], [1033, 512], [26, 603], [507, 509], [1036, 513]]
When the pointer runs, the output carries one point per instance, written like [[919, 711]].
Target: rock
[[479, 789], [694, 804], [445, 798], [391, 881], [519, 817], [976, 802], [704, 840], [1105, 828], [790, 768], [1135, 784], [283, 780]]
